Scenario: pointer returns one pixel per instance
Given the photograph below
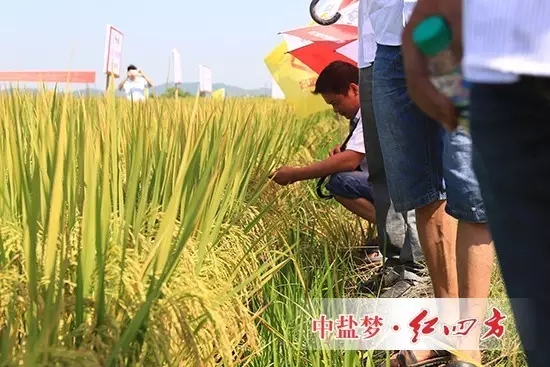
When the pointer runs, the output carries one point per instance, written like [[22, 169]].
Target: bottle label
[[452, 86]]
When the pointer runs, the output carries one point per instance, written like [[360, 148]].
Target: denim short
[[350, 185], [423, 162]]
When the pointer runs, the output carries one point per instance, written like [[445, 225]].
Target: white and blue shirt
[[135, 89]]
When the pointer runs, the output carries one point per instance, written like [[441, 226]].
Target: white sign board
[[177, 66], [112, 59], [205, 79]]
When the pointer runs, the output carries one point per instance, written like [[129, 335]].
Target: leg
[[352, 190], [412, 147], [475, 258], [437, 232], [361, 207], [397, 228], [401, 228], [510, 127], [397, 231], [474, 248]]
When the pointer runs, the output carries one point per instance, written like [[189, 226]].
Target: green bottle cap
[[432, 35]]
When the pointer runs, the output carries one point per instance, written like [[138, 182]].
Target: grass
[[149, 235]]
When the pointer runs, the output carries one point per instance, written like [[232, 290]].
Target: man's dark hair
[[336, 78], [131, 67]]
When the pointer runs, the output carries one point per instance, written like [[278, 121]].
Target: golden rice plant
[[145, 234], [129, 233]]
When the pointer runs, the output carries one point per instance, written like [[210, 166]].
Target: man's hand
[[284, 175], [422, 92], [337, 149]]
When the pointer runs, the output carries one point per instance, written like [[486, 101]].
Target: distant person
[[135, 84], [338, 84]]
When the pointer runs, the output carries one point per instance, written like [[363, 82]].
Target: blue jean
[[423, 162], [396, 231], [510, 128], [350, 185]]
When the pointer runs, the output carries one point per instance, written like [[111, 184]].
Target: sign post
[[177, 70], [112, 59]]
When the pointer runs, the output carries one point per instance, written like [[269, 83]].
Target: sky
[[231, 37]]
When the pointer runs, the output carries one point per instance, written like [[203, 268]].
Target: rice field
[[149, 235]]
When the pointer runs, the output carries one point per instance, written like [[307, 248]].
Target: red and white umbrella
[[317, 45]]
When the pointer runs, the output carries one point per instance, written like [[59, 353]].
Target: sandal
[[406, 358]]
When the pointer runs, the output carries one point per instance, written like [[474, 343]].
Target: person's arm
[[345, 161], [121, 85], [149, 82], [339, 161]]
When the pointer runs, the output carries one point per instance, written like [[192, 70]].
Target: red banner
[[48, 76]]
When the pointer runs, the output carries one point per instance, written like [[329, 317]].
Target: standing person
[[135, 84], [397, 231], [507, 61], [429, 170]]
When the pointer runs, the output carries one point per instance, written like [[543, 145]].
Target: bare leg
[[475, 258], [437, 232], [364, 209], [361, 207], [474, 264]]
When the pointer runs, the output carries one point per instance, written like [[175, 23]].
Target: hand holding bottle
[[433, 102]]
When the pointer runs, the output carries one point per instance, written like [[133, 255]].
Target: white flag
[[205, 79], [177, 66]]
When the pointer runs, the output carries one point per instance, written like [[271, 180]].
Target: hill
[[230, 90]]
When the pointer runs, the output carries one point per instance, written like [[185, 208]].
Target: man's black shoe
[[399, 288], [385, 279]]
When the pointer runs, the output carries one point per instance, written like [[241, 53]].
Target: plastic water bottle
[[433, 38]]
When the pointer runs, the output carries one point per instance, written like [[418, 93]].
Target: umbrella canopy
[[317, 46], [296, 79]]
